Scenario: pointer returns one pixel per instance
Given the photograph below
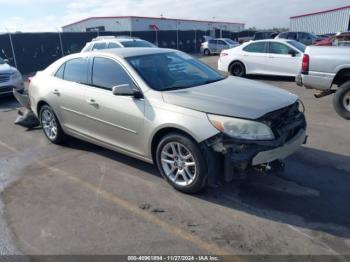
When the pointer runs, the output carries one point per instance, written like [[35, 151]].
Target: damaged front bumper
[[255, 153], [26, 119], [240, 156]]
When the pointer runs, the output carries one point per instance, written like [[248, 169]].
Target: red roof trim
[[322, 12], [145, 17]]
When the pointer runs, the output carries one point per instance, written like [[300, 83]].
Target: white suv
[[107, 42], [10, 78]]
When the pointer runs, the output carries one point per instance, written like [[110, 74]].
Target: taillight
[[30, 79], [305, 64]]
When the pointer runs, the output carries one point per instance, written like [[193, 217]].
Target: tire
[[51, 126], [206, 52], [341, 101], [237, 69], [172, 165]]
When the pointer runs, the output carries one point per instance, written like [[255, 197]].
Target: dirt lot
[[83, 199]]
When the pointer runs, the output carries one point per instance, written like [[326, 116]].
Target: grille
[[285, 122], [4, 78]]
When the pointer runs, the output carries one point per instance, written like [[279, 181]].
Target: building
[[138, 23], [322, 22]]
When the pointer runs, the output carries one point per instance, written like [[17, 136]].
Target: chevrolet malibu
[[165, 107]]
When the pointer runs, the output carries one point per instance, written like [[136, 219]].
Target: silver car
[[215, 46], [10, 78], [165, 107], [109, 42]]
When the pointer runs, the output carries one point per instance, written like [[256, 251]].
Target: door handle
[[56, 92], [92, 102]]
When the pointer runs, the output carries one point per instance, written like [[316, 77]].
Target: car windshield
[[173, 71], [137, 43], [231, 42], [2, 61], [301, 47]]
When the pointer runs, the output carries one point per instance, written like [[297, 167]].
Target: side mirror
[[126, 90], [292, 53]]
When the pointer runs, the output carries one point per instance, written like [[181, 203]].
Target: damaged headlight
[[241, 128]]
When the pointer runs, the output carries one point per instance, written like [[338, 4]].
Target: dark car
[[261, 35], [302, 37]]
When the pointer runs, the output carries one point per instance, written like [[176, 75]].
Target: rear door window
[[292, 35], [99, 46], [279, 48], [259, 47], [76, 70], [106, 73], [60, 71], [220, 42], [113, 45]]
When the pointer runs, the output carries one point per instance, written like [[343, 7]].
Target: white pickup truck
[[327, 69]]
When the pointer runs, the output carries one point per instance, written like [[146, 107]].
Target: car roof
[[281, 40], [130, 52], [116, 40]]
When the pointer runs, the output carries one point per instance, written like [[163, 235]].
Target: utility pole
[[61, 44], [13, 49]]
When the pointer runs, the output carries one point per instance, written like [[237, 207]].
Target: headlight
[[241, 128], [16, 74]]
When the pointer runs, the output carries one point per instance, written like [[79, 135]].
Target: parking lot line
[[197, 241]]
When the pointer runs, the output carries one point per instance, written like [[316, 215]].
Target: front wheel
[[181, 163], [207, 52], [51, 127], [341, 101]]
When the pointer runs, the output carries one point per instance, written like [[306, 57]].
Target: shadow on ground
[[308, 194]]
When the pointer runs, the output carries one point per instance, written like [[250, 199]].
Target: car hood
[[236, 97], [5, 68]]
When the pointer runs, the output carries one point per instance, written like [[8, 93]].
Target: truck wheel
[[182, 163], [341, 101], [207, 52]]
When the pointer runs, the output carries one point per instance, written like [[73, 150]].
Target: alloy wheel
[[178, 163], [49, 124]]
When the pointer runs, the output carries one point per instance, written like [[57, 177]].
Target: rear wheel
[[237, 69], [341, 101], [181, 163], [51, 127], [207, 52]]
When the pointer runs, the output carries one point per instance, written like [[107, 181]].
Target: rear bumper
[[314, 80]]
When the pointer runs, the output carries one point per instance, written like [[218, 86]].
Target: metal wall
[[143, 24], [323, 23], [35, 51]]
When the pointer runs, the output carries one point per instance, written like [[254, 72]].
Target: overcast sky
[[48, 15]]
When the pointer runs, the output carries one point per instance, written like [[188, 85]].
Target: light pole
[[12, 48], [60, 38]]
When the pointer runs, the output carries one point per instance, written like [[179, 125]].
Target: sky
[[51, 15]]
